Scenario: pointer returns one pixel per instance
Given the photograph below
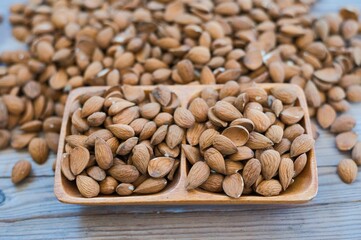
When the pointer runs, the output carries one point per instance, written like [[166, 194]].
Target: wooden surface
[[31, 211]]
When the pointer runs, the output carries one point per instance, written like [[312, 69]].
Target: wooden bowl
[[302, 190]]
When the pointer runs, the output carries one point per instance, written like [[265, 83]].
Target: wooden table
[[31, 210]]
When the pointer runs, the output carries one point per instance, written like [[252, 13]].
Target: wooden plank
[[35, 199], [332, 221]]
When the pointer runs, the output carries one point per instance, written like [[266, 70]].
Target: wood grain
[[31, 211]]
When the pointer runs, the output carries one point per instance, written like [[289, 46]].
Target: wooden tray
[[302, 190]]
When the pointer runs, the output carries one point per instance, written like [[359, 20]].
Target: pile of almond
[[124, 140], [246, 141], [94, 42]]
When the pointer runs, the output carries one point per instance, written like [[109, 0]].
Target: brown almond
[[122, 131], [160, 167], [292, 115], [277, 72], [256, 94], [96, 119], [76, 140], [346, 140], [149, 110], [258, 141], [185, 70], [269, 188], [199, 109], [356, 153], [277, 107], [174, 136], [191, 153], [253, 59], [226, 111], [108, 185], [65, 167], [32, 126], [270, 161], [4, 138], [159, 135], [353, 93], [133, 94], [251, 172], [96, 173], [141, 158], [20, 171], [199, 55], [215, 160], [343, 123], [162, 94], [87, 186], [224, 145], [347, 170], [274, 133], [183, 117], [213, 183], [79, 159], [4, 117], [260, 120], [127, 146], [243, 153], [38, 150], [326, 115], [124, 189], [92, 105], [103, 154], [104, 134], [193, 134], [233, 167], [124, 173], [286, 172], [302, 144], [233, 185], [148, 131], [293, 131], [197, 175], [299, 164], [283, 146], [118, 105], [286, 94], [151, 185]]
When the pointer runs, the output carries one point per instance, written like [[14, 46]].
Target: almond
[[286, 172], [233, 167], [347, 170], [79, 159], [191, 153], [292, 115], [124, 189], [199, 109], [4, 138], [197, 175], [87, 186], [346, 140], [148, 130], [326, 115], [233, 185], [301, 144], [206, 138], [277, 72], [76, 140], [160, 135], [162, 94], [299, 164], [185, 70], [253, 59], [124, 173], [269, 188], [275, 133], [199, 55], [175, 136], [151, 185], [260, 120], [38, 150], [141, 158], [215, 160], [103, 154], [343, 123], [224, 145], [108, 185], [270, 161], [226, 111], [293, 131], [286, 94], [159, 167], [149, 110], [127, 146], [183, 117], [118, 106], [251, 171], [243, 153], [122, 131], [92, 105], [213, 183], [65, 167], [193, 134], [283, 146], [258, 141], [96, 173], [20, 171]]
